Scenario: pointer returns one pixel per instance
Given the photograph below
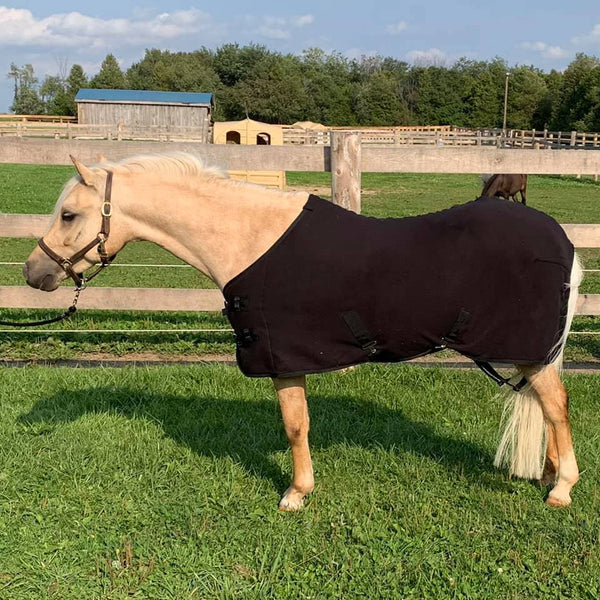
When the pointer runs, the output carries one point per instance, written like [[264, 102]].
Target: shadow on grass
[[250, 431]]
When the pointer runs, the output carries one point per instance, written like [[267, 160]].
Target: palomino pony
[[506, 186], [261, 246]]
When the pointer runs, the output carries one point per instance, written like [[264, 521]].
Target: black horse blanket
[[487, 279]]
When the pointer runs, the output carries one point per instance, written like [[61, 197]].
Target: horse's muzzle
[[45, 281]]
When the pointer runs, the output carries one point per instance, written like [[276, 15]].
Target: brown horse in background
[[506, 186]]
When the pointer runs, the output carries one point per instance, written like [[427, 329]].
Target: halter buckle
[[106, 212]]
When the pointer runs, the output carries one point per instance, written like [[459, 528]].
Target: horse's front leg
[[292, 401]]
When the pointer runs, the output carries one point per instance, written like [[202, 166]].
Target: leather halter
[[67, 264]]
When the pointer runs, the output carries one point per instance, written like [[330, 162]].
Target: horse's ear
[[87, 175]]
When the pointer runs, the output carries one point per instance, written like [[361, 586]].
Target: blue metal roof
[[97, 95]]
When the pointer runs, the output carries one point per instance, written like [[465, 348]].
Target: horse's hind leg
[[524, 190], [294, 410], [555, 405], [550, 471], [523, 197]]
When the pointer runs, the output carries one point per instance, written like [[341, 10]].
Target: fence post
[[346, 169]]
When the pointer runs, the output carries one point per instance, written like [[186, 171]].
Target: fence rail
[[415, 159]]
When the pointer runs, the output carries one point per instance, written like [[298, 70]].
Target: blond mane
[[180, 164], [168, 163]]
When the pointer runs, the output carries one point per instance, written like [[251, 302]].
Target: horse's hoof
[[290, 505], [292, 500], [558, 501]]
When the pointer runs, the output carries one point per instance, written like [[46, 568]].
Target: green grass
[[34, 189], [567, 199], [31, 188], [163, 483]]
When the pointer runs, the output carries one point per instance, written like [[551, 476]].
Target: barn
[[176, 111]]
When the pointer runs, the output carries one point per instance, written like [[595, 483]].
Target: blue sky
[[53, 36]]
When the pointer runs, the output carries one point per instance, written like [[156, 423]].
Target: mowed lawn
[[163, 483]]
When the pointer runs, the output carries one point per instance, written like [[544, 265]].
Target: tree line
[[329, 88]]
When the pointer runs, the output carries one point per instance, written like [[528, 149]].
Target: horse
[[246, 239], [506, 186]]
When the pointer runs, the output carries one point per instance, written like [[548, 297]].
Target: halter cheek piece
[[66, 264]]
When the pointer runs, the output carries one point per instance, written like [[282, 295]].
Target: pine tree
[[110, 75]]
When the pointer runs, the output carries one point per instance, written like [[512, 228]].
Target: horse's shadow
[[251, 431]]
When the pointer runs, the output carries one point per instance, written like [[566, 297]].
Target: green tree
[[437, 96], [110, 75], [75, 81], [331, 83], [53, 95], [174, 71], [527, 89], [543, 113], [576, 104], [274, 94], [484, 92], [26, 100], [379, 103]]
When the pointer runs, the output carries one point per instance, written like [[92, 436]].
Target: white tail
[[522, 448]]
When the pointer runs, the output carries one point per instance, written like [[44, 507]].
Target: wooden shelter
[[178, 112], [248, 132]]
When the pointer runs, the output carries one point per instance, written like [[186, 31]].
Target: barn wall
[[144, 115]]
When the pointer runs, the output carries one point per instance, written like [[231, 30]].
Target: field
[[162, 482]]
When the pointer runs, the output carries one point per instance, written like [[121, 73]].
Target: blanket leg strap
[[493, 374]]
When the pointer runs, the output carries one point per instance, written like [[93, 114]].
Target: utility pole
[[505, 104]]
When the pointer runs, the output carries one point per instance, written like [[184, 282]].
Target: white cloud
[[546, 50], [69, 30], [433, 56], [591, 38], [278, 28], [20, 27], [397, 28], [303, 20]]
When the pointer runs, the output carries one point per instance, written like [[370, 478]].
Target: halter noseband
[[66, 264]]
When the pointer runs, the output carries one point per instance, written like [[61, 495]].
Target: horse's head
[[81, 233]]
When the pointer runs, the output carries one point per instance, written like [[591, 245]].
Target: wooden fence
[[437, 136], [345, 159], [117, 132], [453, 137], [7, 118]]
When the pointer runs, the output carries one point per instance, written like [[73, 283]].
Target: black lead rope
[[70, 311]]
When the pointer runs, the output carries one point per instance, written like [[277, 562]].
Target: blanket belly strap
[[358, 329]]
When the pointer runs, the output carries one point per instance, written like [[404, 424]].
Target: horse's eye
[[67, 216]]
